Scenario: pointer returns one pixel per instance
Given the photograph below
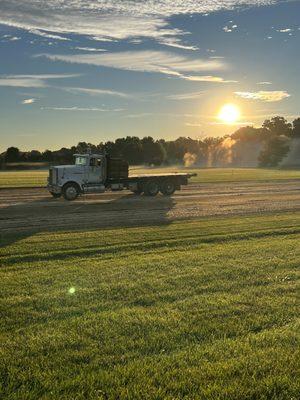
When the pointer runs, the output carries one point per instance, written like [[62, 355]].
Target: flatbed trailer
[[178, 177], [151, 184], [95, 173]]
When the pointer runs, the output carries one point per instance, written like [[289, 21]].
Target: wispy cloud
[[286, 30], [207, 78], [109, 19], [175, 42], [75, 108], [96, 92], [31, 81], [264, 83], [267, 96], [48, 35], [89, 49], [193, 124], [29, 101], [230, 28], [185, 96], [9, 38], [140, 115], [143, 61]]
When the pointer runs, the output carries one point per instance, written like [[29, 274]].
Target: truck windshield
[[80, 161]]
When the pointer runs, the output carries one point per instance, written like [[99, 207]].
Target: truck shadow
[[22, 219]]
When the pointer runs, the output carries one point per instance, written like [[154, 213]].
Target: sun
[[229, 114]]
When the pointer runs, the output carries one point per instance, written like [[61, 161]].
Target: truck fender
[[74, 183]]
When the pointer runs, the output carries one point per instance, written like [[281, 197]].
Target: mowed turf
[[205, 309], [38, 178]]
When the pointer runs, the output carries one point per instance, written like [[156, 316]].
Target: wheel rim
[[153, 188], [168, 188], [71, 192]]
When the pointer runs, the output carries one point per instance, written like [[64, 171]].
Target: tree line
[[266, 146]]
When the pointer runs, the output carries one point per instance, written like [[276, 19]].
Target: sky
[[72, 70]]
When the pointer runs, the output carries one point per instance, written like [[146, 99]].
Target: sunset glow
[[229, 114]]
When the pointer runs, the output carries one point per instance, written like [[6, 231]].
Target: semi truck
[[97, 173]]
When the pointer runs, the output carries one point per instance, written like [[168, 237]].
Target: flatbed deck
[[173, 174]]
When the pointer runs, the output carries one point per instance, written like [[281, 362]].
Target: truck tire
[[151, 188], [139, 190], [168, 187], [56, 195], [70, 191]]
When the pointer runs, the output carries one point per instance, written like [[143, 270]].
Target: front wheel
[[70, 191], [168, 188]]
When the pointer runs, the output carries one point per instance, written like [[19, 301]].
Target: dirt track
[[27, 210]]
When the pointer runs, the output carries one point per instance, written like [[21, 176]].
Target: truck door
[[95, 170]]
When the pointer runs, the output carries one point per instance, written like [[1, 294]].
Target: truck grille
[[52, 176]]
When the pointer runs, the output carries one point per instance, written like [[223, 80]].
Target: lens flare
[[229, 114]]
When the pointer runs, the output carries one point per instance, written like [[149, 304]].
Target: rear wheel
[[70, 191], [168, 187], [56, 195], [139, 190], [151, 188]]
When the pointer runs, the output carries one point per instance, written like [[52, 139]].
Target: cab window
[[95, 162], [80, 161]]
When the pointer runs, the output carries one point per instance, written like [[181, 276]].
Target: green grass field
[[204, 309], [39, 177]]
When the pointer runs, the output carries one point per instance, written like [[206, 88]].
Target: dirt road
[[27, 210]]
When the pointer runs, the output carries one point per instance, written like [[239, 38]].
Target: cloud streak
[[90, 49], [266, 96], [96, 92], [185, 96], [75, 108], [110, 19], [207, 78], [31, 81], [145, 61], [28, 101], [48, 35]]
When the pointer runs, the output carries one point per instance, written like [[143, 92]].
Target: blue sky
[[93, 71]]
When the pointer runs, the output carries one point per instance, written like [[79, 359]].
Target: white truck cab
[[89, 170]]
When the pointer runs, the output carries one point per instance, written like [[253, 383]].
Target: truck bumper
[[54, 189]]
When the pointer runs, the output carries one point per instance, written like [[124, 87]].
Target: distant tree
[[34, 156], [110, 148], [2, 161], [47, 155], [247, 134], [274, 151], [12, 154], [176, 149], [100, 147], [161, 154], [64, 155], [153, 152], [276, 126], [132, 150], [84, 147], [296, 128]]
